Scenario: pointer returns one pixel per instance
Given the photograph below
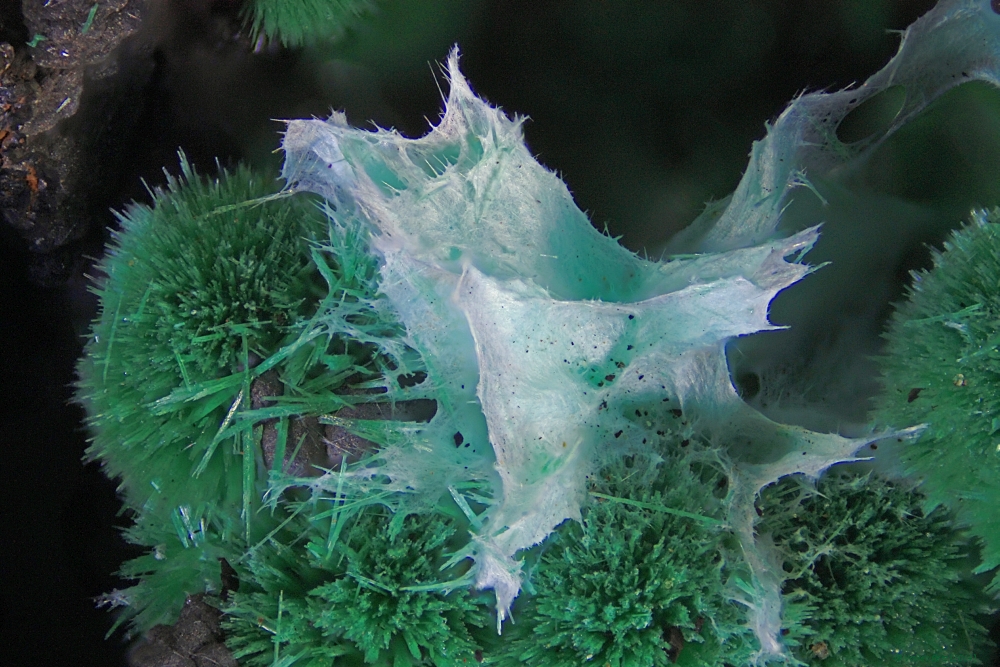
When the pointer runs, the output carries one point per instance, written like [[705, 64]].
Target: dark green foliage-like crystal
[[942, 368], [205, 279], [188, 547], [870, 578], [298, 22], [381, 599], [636, 584], [215, 284]]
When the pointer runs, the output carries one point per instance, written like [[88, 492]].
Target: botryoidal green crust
[[870, 579], [635, 584], [941, 368]]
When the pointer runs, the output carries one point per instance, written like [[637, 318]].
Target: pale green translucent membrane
[[543, 336]]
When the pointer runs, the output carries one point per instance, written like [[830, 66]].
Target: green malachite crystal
[[432, 388], [940, 369], [297, 22]]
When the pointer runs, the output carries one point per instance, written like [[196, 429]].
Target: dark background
[[646, 108]]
